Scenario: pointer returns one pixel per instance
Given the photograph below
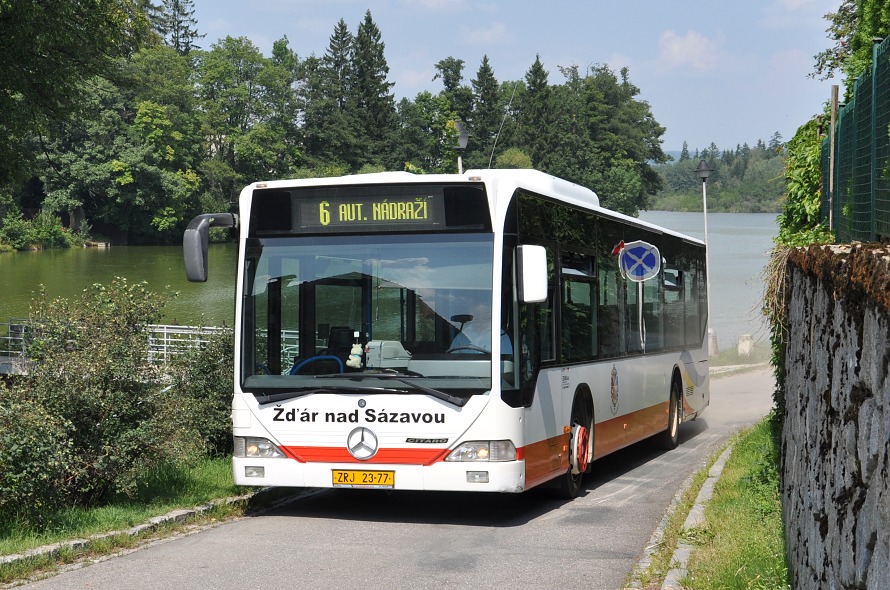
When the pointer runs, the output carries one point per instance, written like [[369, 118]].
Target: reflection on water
[[739, 246], [65, 273]]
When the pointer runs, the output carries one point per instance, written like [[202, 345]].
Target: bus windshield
[[353, 312]]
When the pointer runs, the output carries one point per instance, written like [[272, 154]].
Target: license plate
[[356, 478]]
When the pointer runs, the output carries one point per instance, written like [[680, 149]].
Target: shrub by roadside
[[94, 417]]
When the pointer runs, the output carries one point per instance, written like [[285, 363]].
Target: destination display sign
[[324, 213], [369, 208]]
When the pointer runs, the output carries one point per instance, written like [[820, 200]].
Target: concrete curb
[[54, 550], [695, 519]]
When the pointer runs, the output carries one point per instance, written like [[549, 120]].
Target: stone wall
[[836, 435]]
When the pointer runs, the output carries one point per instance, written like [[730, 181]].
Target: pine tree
[[775, 145], [330, 109], [536, 116], [337, 61], [684, 153], [178, 26], [372, 93], [486, 117]]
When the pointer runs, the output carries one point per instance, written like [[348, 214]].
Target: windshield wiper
[[451, 399], [286, 395], [270, 398], [401, 378]]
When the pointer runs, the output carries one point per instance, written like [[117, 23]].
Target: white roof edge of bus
[[529, 178], [543, 182], [573, 193]]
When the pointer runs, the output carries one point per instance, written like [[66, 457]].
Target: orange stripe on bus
[[622, 431], [546, 459], [398, 456]]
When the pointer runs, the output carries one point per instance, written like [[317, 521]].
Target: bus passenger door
[[539, 388]]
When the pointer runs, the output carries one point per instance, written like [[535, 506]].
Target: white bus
[[490, 331]]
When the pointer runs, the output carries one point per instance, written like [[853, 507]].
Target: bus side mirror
[[195, 239], [532, 267]]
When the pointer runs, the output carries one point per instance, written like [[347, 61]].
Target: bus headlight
[[249, 446], [484, 450]]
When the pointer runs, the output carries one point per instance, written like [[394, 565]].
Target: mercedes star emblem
[[362, 443]]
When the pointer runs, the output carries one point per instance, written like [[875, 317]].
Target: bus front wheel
[[580, 449]]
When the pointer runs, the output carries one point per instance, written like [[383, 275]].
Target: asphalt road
[[362, 539]]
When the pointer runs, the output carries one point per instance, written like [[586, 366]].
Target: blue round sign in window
[[640, 261]]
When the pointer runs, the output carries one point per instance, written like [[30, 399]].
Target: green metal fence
[[861, 204]]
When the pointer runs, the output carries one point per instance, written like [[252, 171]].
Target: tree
[[684, 153], [486, 117], [329, 108], [450, 70], [230, 94], [852, 28], [573, 156], [271, 148], [50, 51], [178, 26], [775, 145], [537, 115], [371, 92], [430, 135], [625, 134]]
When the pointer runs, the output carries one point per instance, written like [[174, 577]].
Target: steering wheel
[[313, 359]]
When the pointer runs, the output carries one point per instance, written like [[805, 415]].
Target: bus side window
[[653, 314], [577, 313], [693, 289], [610, 336], [673, 307]]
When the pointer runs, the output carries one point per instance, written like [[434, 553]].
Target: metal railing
[[164, 341], [12, 338]]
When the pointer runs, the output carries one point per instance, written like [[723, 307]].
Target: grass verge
[[159, 494], [651, 576], [742, 543]]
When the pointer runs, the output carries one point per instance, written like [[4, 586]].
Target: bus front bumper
[[502, 476]]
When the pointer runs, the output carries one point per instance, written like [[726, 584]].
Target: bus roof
[[500, 179]]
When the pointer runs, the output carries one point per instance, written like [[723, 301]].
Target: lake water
[[739, 246], [65, 273]]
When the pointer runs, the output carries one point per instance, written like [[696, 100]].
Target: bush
[[34, 456], [16, 231], [47, 231], [94, 417], [202, 380], [91, 367], [44, 231]]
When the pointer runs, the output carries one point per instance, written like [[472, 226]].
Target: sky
[[726, 71]]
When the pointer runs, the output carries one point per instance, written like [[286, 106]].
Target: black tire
[[569, 483], [670, 438]]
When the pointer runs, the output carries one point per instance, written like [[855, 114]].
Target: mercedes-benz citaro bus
[[490, 331]]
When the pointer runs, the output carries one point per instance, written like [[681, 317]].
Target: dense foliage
[[852, 29], [148, 129], [94, 415], [745, 179]]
